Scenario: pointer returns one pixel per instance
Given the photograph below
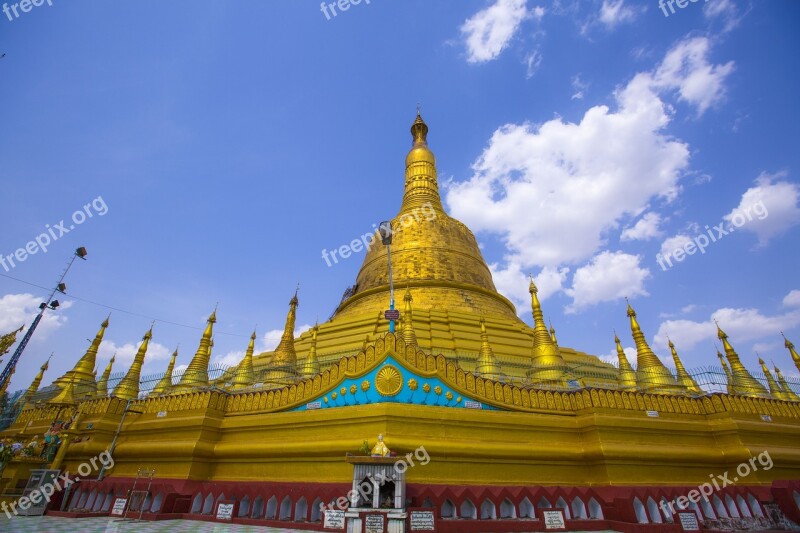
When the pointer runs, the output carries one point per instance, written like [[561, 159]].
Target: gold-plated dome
[[429, 249]]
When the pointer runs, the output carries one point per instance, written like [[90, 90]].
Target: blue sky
[[228, 144]]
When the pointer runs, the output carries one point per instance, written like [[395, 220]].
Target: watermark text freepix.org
[[719, 482], [365, 488], [343, 5], [46, 490], [365, 241], [24, 6], [738, 218], [53, 233], [663, 4]]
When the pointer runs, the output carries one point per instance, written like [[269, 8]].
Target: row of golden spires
[[546, 367]]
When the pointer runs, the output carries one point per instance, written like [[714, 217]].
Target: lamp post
[[49, 304], [385, 229]]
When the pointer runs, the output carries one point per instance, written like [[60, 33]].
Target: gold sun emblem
[[388, 381]]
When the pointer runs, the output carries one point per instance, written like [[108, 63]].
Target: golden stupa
[[513, 425]]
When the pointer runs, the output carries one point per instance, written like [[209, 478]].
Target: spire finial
[[419, 130]]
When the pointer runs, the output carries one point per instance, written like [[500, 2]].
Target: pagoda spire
[[627, 376], [34, 386], [553, 334], [128, 388], [311, 367], [792, 351], [284, 358], [421, 185], [102, 383], [546, 361], [651, 374], [83, 371], [788, 393], [244, 376], [728, 376], [682, 375], [409, 336], [743, 383], [165, 383], [487, 365], [8, 340], [774, 389], [67, 393], [196, 374]]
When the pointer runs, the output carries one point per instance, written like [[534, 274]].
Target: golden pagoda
[[727, 370], [128, 387], [244, 376], [741, 380], [788, 393], [283, 363], [651, 374], [792, 351], [196, 374], [164, 385], [627, 376], [774, 389], [487, 365], [102, 383], [84, 383], [547, 365], [34, 386], [503, 423], [681, 374], [311, 367]]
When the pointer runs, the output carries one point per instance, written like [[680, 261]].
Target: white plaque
[[161, 414], [469, 404], [652, 414], [334, 519], [374, 523], [224, 511], [313, 405], [689, 521], [422, 521], [119, 506], [554, 520]]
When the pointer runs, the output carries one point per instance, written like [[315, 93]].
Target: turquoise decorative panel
[[391, 382]]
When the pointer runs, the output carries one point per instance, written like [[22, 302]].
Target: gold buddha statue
[[380, 449]]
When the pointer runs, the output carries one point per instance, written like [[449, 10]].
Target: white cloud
[[741, 325], [125, 352], [513, 283], [768, 209], [792, 299], [579, 87], [270, 339], [615, 12], [488, 32], [553, 191], [686, 69], [532, 62], [608, 276], [20, 309], [229, 359], [646, 228], [677, 242], [613, 358], [723, 10], [688, 309]]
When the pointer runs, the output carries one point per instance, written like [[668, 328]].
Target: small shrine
[[378, 495]]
